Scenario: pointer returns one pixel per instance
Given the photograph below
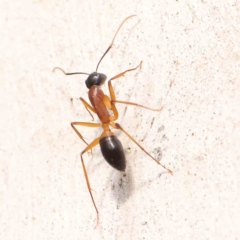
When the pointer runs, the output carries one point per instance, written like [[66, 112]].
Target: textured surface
[[192, 46]]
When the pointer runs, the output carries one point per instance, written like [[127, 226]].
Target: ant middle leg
[[117, 126], [138, 105], [84, 124]]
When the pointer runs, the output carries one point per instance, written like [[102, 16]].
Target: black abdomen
[[112, 151]]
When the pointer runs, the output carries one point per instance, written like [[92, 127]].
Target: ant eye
[[95, 79]]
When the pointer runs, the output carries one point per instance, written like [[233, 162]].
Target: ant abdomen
[[112, 151]]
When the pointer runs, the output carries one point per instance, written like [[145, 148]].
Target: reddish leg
[[88, 107], [85, 124], [138, 105], [117, 126], [112, 93], [89, 147]]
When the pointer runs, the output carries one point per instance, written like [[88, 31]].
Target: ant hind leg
[[117, 126], [89, 147]]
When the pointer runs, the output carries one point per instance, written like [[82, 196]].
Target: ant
[[111, 147]]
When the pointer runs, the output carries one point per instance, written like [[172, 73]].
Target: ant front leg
[[88, 107], [112, 93], [113, 97], [110, 87]]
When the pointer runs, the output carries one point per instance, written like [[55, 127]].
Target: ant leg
[[89, 147], [88, 107], [117, 126], [108, 103], [138, 105], [85, 124], [111, 91]]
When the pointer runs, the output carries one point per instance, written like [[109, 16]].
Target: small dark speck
[[152, 122], [161, 128], [158, 152], [176, 62], [120, 183], [164, 137]]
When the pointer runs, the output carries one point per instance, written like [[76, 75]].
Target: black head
[[95, 78]]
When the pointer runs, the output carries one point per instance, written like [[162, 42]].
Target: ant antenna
[[103, 54], [69, 73], [113, 39]]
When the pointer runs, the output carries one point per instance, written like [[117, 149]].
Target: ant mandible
[[111, 147]]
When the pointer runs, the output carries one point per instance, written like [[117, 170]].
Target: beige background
[[193, 45]]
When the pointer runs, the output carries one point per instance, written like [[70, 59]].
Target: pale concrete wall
[[192, 44]]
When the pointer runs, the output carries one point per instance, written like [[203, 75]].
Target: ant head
[[95, 78]]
